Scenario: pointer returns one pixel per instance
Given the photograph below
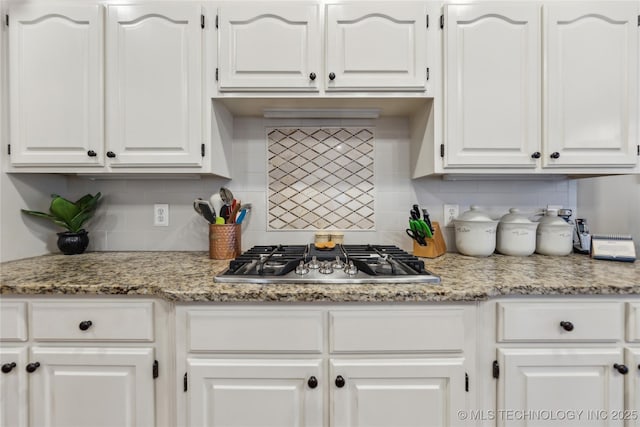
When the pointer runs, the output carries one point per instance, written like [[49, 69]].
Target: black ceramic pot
[[71, 243]]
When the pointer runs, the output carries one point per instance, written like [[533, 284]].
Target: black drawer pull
[[85, 324], [7, 367], [567, 326], [31, 367], [621, 368], [313, 382]]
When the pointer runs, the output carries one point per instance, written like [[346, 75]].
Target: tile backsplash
[[320, 178], [125, 219]]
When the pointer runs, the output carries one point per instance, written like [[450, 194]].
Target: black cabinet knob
[[555, 155], [31, 367], [567, 326], [85, 324], [7, 367], [91, 153], [111, 154], [621, 368], [536, 155], [332, 76], [312, 382], [340, 381], [312, 76]]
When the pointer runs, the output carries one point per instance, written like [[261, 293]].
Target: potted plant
[[72, 216]]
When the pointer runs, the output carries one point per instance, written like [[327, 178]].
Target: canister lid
[[475, 214], [515, 217]]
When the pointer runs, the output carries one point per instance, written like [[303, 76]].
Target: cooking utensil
[[241, 215], [415, 212], [216, 202], [205, 210], [226, 195], [417, 231], [234, 212], [425, 217]]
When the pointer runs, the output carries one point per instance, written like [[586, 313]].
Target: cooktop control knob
[[301, 269], [351, 269], [326, 268], [338, 264], [314, 264]]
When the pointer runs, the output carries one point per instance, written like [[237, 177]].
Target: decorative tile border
[[320, 178]]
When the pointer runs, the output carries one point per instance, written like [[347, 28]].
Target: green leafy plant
[[67, 214]]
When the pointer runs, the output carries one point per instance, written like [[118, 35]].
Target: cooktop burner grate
[[341, 264]]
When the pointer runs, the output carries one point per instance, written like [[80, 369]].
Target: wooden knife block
[[435, 245]]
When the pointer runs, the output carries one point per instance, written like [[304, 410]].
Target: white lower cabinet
[[83, 362], [13, 386], [359, 374], [565, 363], [101, 387], [396, 392], [255, 392], [561, 386]]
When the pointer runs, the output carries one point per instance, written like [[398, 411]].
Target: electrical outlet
[[450, 213], [161, 215]]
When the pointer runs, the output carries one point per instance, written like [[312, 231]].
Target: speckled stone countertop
[[188, 276]]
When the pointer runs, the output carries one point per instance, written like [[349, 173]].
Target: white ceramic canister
[[475, 233], [554, 235], [516, 234]]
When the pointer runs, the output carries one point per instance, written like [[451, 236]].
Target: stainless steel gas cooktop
[[341, 264]]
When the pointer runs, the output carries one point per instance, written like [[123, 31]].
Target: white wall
[[611, 205], [124, 220]]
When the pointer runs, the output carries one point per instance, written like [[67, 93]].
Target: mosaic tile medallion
[[320, 178]]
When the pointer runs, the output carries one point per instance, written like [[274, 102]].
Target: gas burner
[[341, 265]]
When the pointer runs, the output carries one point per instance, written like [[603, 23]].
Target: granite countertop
[[188, 276]]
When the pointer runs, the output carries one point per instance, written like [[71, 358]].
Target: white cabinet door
[[92, 387], [557, 380], [376, 46], [56, 90], [633, 386], [153, 85], [13, 387], [396, 392], [492, 85], [269, 46], [591, 84], [255, 393]]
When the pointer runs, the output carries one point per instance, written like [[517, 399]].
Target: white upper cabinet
[[492, 85], [56, 88], [277, 47], [373, 46], [154, 85], [269, 46], [591, 84], [533, 87]]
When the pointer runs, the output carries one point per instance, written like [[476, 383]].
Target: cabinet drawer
[[13, 321], [560, 321], [254, 331], [124, 321], [376, 330]]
